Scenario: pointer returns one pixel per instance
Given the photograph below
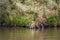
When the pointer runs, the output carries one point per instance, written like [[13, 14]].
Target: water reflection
[[28, 34]]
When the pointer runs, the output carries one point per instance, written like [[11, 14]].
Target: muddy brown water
[[29, 34]]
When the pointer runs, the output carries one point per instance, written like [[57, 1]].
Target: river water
[[29, 34]]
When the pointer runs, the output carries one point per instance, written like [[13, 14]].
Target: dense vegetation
[[25, 13]]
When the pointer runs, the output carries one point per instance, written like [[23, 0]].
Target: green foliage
[[58, 18], [11, 14], [59, 13], [21, 21], [52, 20]]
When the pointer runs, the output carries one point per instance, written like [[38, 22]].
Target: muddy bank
[[43, 25]]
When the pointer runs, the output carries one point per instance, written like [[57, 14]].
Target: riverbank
[[34, 15], [35, 27]]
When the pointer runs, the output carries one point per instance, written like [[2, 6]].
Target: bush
[[52, 20], [21, 21]]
